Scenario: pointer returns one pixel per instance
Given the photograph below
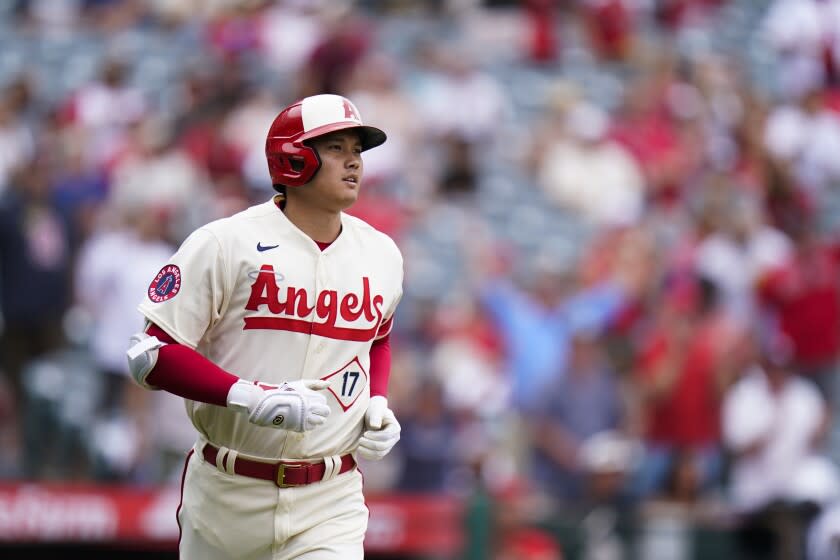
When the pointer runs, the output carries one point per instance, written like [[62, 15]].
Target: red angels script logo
[[289, 313], [166, 285]]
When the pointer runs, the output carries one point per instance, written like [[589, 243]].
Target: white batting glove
[[294, 406], [383, 430]]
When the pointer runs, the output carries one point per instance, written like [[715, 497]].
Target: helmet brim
[[371, 136]]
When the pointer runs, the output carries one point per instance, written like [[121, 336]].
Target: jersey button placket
[[322, 282]]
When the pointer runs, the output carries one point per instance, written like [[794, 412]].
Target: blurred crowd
[[620, 222]]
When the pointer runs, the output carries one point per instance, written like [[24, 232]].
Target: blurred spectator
[[649, 131], [465, 359], [516, 532], [345, 40], [584, 403], [207, 94], [378, 94], [242, 135], [400, 176], [35, 263], [79, 189], [154, 170], [803, 293], [788, 205], [804, 35], [740, 251], [106, 287], [233, 29], [806, 135], [712, 90], [632, 258], [543, 43], [537, 323], [456, 98], [104, 110], [774, 424], [611, 27], [202, 139], [289, 32], [681, 374], [17, 141], [591, 174], [427, 440]]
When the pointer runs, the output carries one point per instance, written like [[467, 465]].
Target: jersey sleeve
[[388, 318], [387, 322], [186, 297]]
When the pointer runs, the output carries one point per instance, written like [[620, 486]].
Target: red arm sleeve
[[184, 372], [380, 366]]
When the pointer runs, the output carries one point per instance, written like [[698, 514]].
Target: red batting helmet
[[291, 162]]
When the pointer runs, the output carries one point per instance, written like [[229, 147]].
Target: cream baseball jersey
[[257, 296]]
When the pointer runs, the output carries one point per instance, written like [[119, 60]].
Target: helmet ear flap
[[291, 164]]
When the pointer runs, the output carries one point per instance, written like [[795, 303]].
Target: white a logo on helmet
[[321, 110]]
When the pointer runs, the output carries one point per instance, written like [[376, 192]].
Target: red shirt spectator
[[806, 295], [610, 26], [204, 142], [542, 41], [654, 140], [687, 414], [679, 370], [382, 212]]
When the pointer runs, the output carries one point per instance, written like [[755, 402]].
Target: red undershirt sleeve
[[184, 372], [380, 366]]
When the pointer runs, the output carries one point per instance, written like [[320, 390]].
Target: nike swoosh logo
[[262, 248]]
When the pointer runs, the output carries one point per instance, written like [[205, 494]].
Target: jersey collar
[[297, 231]]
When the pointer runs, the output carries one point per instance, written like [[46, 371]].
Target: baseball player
[[273, 324]]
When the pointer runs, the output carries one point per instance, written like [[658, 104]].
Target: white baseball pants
[[226, 517]]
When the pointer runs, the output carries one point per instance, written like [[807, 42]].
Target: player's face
[[336, 184]]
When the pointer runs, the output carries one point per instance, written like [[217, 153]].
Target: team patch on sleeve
[[166, 285]]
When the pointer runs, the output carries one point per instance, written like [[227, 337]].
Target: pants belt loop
[[199, 447], [220, 455], [230, 461], [332, 465]]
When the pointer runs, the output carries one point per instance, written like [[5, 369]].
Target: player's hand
[[382, 430], [295, 406]]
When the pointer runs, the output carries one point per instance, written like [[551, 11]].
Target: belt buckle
[[280, 478]]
